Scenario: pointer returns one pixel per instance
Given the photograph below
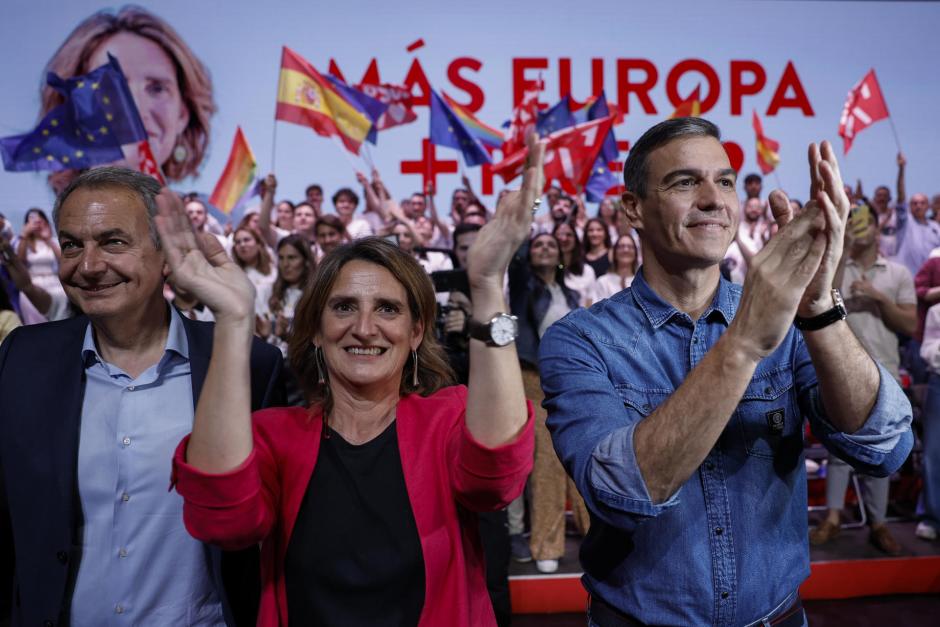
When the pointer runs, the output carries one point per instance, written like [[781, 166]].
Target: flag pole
[[777, 179], [895, 131], [342, 149], [274, 145]]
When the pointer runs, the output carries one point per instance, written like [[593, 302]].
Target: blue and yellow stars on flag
[[97, 117]]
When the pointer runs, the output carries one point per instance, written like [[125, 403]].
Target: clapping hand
[[200, 266], [490, 254]]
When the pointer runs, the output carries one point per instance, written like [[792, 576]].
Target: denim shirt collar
[[658, 312], [176, 342]]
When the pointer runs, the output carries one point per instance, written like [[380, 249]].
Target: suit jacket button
[[63, 557]]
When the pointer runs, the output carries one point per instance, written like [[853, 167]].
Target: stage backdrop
[[791, 62]]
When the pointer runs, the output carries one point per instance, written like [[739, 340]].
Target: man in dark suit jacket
[[112, 269]]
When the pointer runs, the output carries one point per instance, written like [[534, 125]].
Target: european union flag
[[97, 117], [601, 180], [555, 118], [446, 129], [596, 111], [371, 107]]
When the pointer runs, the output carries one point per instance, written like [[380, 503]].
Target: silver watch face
[[504, 329]]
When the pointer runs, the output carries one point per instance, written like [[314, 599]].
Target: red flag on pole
[[767, 149], [522, 123], [864, 106], [691, 107], [569, 154]]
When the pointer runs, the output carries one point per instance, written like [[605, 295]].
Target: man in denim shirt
[[677, 405]]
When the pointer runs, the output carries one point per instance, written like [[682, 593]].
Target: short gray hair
[[142, 185], [636, 168]]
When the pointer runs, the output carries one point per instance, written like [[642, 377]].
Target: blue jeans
[[931, 497]]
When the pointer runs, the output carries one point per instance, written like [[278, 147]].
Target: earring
[[180, 153], [414, 375], [321, 366], [561, 266]]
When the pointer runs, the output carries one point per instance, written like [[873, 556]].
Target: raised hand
[[200, 266], [777, 279], [827, 193], [490, 254]]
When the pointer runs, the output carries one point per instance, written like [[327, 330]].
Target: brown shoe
[[823, 533], [884, 541]]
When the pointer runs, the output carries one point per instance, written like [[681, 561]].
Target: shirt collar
[[658, 311], [176, 342]]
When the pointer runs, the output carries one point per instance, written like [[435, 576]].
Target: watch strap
[[824, 319]]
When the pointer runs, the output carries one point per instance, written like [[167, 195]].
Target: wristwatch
[[824, 319], [501, 330]]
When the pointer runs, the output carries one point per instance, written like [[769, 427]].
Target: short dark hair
[[464, 228], [141, 185], [753, 177], [313, 188], [636, 168], [345, 191]]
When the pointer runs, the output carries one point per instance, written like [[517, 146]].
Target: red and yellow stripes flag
[[238, 174], [767, 149], [304, 97], [691, 107]]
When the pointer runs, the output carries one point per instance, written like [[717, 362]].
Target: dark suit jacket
[[42, 381]]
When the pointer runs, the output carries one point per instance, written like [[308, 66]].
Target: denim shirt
[[731, 544]]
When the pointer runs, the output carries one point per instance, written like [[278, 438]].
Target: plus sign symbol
[[429, 166]]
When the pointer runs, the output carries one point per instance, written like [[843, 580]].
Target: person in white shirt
[[345, 201], [579, 276], [623, 266], [251, 255]]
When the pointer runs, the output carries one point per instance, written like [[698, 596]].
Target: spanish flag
[[238, 175], [767, 155], [691, 107], [304, 97]]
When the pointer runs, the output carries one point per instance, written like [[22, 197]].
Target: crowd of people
[[334, 290]]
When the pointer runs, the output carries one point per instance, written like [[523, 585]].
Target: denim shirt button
[[719, 531], [725, 595], [768, 390], [709, 466]]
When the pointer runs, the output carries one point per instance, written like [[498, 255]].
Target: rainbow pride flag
[[237, 177], [487, 135]]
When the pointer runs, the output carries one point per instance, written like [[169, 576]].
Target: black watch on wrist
[[501, 330], [824, 319]]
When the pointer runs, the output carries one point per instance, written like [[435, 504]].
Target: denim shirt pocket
[[766, 416], [642, 401]]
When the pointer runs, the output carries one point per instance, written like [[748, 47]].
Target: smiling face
[[151, 76], [544, 252], [110, 266], [285, 216], [367, 331], [345, 206], [625, 254], [689, 215]]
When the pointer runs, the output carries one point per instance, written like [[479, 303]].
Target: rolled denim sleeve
[[592, 429], [882, 443]]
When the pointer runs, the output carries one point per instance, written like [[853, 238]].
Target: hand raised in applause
[[200, 266], [494, 247]]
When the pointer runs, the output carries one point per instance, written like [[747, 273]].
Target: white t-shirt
[[583, 284], [609, 284]]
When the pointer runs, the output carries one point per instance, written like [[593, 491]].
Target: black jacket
[[42, 380]]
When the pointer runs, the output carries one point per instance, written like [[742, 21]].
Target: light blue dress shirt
[[138, 565], [730, 545]]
